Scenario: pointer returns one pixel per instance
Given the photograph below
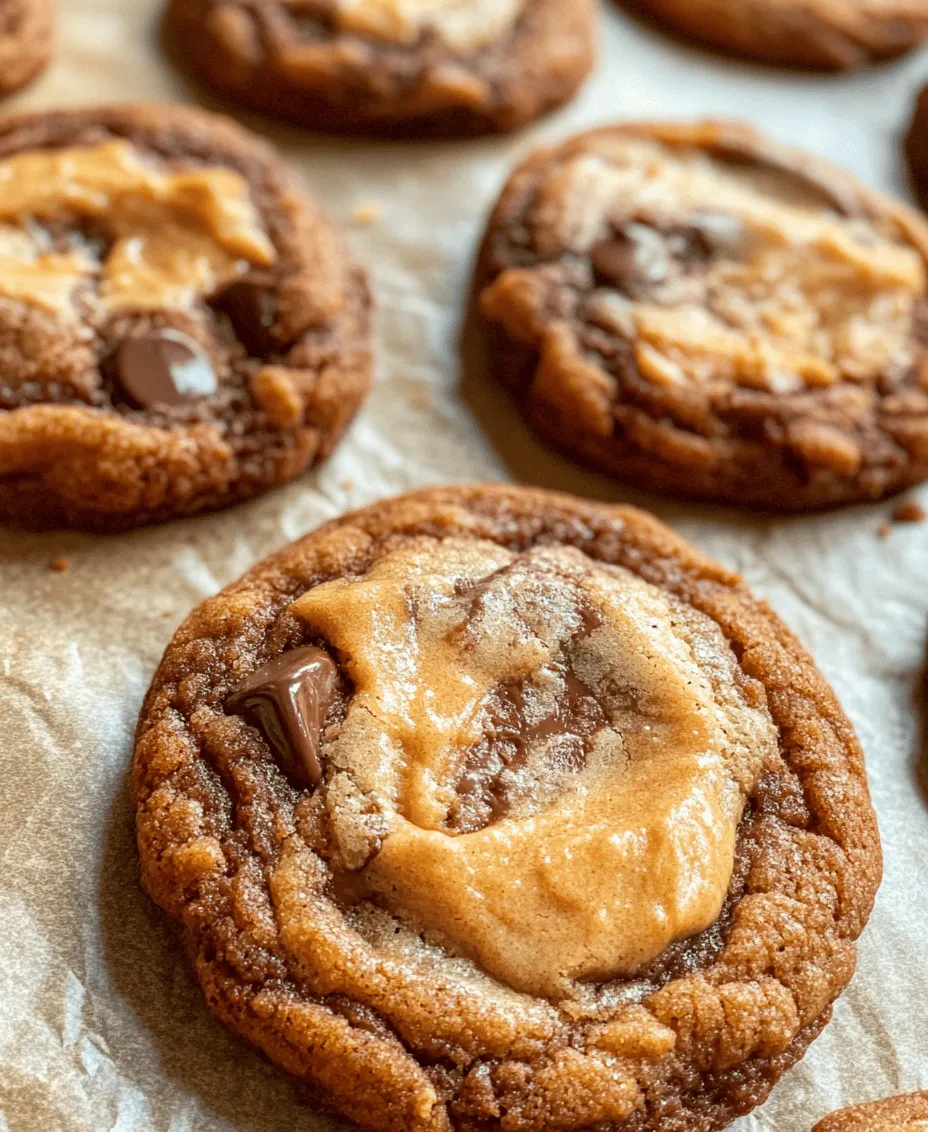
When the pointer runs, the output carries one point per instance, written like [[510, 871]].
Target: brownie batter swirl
[[490, 809]]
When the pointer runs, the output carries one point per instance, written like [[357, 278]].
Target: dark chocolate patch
[[287, 698], [635, 256], [252, 309], [164, 367]]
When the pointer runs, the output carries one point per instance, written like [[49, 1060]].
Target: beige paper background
[[100, 1026]]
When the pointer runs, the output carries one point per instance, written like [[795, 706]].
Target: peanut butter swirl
[[463, 25], [176, 235], [594, 727]]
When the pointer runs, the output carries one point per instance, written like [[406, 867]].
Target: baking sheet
[[100, 1025]]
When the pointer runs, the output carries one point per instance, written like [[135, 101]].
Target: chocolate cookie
[[489, 808], [389, 66], [180, 327], [26, 41], [916, 148], [905, 1114], [832, 35], [706, 313]]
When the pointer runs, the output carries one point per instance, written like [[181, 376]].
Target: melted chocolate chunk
[[635, 256], [252, 310], [287, 698], [165, 367]]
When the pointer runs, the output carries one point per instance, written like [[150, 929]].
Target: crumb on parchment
[[366, 214], [908, 511], [59, 565]]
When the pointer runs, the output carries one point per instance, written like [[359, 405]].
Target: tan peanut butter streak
[[463, 25], [177, 235], [806, 297], [597, 865]]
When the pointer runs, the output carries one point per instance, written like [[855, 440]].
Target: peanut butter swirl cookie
[[897, 1114], [27, 33], [831, 35], [488, 808], [706, 313], [180, 326], [389, 66]]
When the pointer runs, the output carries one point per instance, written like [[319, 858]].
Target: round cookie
[[906, 1114], [27, 29], [916, 148], [706, 313], [180, 326], [832, 35], [451, 67], [491, 808]]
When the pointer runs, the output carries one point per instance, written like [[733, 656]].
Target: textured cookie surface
[[706, 313], [26, 40], [488, 808], [393, 66], [180, 326], [827, 34], [907, 1113]]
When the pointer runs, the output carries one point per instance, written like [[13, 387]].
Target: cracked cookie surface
[[376, 782], [832, 35], [180, 326], [907, 1113], [389, 66], [706, 313]]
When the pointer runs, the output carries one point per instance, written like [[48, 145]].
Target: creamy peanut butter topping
[[591, 725], [176, 236], [463, 25], [792, 294]]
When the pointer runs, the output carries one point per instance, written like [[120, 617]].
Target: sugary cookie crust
[[74, 452], [908, 1113], [411, 1039], [830, 35], [837, 420], [27, 32], [409, 67]]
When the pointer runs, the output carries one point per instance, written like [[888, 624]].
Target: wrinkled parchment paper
[[101, 1028]]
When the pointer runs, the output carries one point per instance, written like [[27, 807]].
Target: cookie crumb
[[366, 214], [908, 512], [348, 485], [168, 613], [884, 530], [59, 565]]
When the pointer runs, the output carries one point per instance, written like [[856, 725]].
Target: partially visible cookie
[[897, 1114], [822, 34], [707, 313], [389, 66], [26, 40], [488, 809], [916, 148], [180, 326]]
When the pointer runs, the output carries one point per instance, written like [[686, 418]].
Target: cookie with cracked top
[[27, 32], [180, 326], [831, 35], [710, 314], [907, 1113], [451, 67], [491, 808]]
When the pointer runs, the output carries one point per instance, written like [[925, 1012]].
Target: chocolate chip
[[287, 698], [635, 256], [165, 367], [252, 310], [716, 234]]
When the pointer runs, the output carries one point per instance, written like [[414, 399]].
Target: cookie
[[180, 326], [452, 67], [491, 808], [706, 313], [907, 1114], [916, 148], [833, 35], [27, 29]]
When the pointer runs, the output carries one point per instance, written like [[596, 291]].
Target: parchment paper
[[100, 1026]]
